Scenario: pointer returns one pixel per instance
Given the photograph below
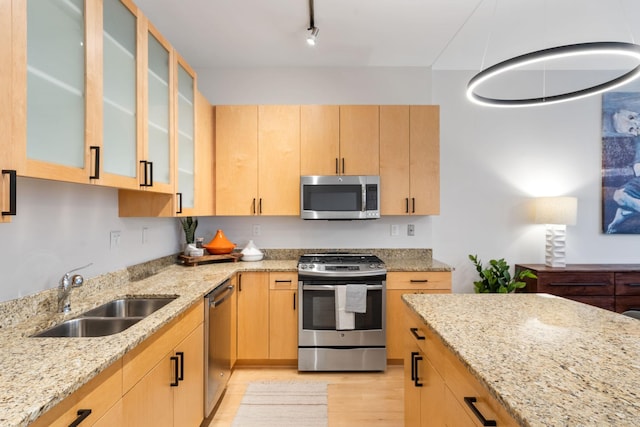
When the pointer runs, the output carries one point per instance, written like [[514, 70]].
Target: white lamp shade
[[556, 210]]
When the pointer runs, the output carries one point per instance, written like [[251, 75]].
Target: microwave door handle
[[364, 198]]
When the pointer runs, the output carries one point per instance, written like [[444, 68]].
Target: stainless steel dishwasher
[[217, 358]]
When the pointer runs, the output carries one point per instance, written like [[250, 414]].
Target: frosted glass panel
[[186, 150], [158, 111], [119, 90], [55, 81]]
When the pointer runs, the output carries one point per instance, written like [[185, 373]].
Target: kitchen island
[[547, 360]]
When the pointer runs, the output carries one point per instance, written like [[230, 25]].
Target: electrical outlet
[[256, 231], [395, 230], [115, 239], [411, 230], [145, 235]]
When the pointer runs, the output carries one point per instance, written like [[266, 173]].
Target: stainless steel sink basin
[[129, 307], [90, 327]]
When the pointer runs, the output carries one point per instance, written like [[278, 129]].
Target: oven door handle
[[333, 287]]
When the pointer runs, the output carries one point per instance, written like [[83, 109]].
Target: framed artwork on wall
[[621, 163]]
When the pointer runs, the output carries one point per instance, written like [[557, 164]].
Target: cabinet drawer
[[572, 283], [422, 280], [628, 302], [628, 284], [283, 280], [468, 393], [602, 301]]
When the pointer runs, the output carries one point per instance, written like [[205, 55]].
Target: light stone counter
[[38, 373], [550, 361]]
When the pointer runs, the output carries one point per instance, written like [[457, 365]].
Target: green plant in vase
[[189, 225], [495, 278]]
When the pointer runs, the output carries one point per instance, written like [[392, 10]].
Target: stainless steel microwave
[[336, 197]]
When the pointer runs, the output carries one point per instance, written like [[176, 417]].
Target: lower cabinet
[[163, 377], [253, 316], [439, 389], [399, 283], [283, 316], [267, 325]]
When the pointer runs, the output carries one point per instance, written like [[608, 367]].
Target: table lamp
[[556, 213]]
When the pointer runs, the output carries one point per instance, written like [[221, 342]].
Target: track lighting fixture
[[313, 34]]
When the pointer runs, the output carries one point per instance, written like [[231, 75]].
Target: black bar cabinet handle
[[179, 211], [175, 371], [416, 381], [485, 422], [82, 414], [343, 171], [419, 280], [260, 206], [96, 162], [283, 281], [253, 206], [413, 365], [337, 167], [294, 301], [180, 354], [145, 174], [150, 173], [413, 205], [414, 332], [12, 191], [406, 205], [240, 282]]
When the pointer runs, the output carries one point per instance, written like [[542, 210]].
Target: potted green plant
[[189, 225], [495, 278]]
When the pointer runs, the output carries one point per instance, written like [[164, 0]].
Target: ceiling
[[444, 34]]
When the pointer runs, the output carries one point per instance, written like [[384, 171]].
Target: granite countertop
[[561, 363], [38, 373]]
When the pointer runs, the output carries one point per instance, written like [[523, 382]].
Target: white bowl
[[256, 257]]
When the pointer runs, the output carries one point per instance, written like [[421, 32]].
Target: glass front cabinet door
[[186, 139], [118, 155], [57, 92]]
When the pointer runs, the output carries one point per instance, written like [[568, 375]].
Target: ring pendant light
[[594, 48]]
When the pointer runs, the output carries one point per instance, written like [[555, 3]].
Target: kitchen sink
[[109, 318], [129, 307], [90, 327]]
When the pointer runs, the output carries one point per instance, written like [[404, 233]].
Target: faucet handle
[[77, 280]]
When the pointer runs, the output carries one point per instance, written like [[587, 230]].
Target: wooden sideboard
[[614, 287]]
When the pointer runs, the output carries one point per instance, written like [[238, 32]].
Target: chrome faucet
[[64, 288]]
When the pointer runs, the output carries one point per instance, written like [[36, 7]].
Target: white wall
[[61, 226], [492, 163]]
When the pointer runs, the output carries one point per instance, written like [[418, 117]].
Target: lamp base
[[554, 255]]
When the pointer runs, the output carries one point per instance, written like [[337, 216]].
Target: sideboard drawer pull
[[485, 422], [414, 332], [578, 284]]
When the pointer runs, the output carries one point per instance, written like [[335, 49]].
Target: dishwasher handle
[[220, 295]]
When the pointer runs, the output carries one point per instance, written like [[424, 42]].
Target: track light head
[[312, 36]]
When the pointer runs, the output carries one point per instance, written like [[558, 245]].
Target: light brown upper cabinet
[[257, 160], [56, 92], [410, 160], [339, 140], [359, 140], [11, 110]]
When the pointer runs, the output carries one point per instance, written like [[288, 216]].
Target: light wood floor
[[354, 399]]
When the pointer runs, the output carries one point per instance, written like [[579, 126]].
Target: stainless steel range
[[342, 300]]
